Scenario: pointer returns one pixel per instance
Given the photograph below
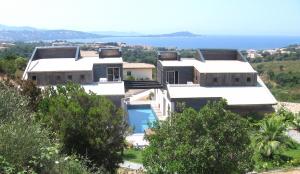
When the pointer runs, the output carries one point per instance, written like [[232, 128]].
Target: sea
[[229, 42]]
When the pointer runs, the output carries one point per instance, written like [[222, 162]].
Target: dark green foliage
[[34, 94], [139, 55], [25, 145], [212, 140], [21, 49], [287, 79], [187, 53], [11, 64], [86, 124]]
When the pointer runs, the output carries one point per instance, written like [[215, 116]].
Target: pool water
[[140, 116]]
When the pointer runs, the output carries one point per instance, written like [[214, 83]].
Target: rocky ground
[[293, 107]]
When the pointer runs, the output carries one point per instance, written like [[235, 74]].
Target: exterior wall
[[138, 73], [100, 70], [252, 110], [195, 103], [186, 74], [196, 76], [228, 79], [51, 78], [159, 72], [163, 102]]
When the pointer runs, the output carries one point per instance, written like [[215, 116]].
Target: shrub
[[86, 124], [212, 140]]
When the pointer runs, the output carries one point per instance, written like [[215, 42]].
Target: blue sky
[[229, 17]]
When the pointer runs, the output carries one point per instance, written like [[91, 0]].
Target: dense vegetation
[[212, 140], [282, 77], [150, 56], [87, 124], [25, 145]]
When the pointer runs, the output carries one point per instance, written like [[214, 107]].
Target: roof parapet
[[56, 52], [220, 54], [110, 52], [168, 55]]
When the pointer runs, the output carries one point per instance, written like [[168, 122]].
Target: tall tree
[[212, 140], [87, 124]]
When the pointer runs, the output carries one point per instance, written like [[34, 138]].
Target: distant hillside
[[116, 33], [36, 35], [135, 34], [12, 33], [176, 34]]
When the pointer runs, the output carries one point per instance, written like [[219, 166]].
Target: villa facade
[[212, 75], [102, 75]]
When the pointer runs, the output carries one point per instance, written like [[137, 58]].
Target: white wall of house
[[138, 73], [162, 101]]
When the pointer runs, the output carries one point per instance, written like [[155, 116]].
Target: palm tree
[[270, 137]]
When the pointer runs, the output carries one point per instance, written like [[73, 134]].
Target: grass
[[133, 155]]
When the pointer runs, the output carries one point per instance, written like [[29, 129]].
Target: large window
[[113, 74], [172, 77]]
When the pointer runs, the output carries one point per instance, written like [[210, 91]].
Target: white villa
[[212, 75]]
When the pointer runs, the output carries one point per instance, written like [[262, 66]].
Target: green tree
[[212, 140], [34, 94], [86, 124]]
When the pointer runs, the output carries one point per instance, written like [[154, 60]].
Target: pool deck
[[137, 140]]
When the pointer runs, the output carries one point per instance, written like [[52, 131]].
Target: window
[[215, 80], [172, 77], [82, 77], [236, 79], [58, 78], [70, 77], [33, 78], [128, 73], [248, 79], [113, 74]]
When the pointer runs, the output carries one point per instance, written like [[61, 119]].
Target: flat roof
[[67, 64], [212, 66], [106, 88], [137, 65], [241, 95]]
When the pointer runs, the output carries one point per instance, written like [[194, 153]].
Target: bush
[[86, 124], [212, 140]]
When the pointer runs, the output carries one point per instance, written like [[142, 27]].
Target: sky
[[214, 17]]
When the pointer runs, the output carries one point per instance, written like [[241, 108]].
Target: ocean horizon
[[206, 41]]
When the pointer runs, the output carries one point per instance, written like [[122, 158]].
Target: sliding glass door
[[172, 77], [113, 74]]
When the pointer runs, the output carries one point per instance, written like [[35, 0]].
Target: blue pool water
[[140, 116]]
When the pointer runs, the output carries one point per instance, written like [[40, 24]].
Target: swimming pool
[[139, 117]]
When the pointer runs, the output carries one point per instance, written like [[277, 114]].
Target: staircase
[[142, 84], [158, 112]]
